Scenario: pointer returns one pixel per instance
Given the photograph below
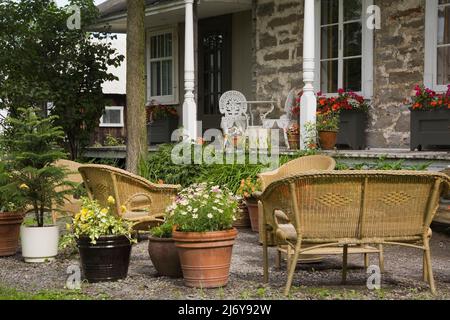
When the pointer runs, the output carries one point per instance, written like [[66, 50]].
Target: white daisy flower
[[210, 216], [194, 216]]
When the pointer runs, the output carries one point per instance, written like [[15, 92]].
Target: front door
[[214, 67]]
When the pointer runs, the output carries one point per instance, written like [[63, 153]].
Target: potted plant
[[11, 213], [246, 190], [242, 216], [31, 146], [327, 127], [203, 219], [103, 240], [162, 121], [163, 252], [430, 118], [353, 110], [293, 134]]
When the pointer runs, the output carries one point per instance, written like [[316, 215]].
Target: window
[[112, 117], [344, 47], [437, 44], [162, 71]]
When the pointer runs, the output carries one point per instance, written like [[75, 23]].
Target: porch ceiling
[[113, 13]]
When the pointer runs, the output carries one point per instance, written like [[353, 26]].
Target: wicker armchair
[[71, 204], [347, 208], [145, 201]]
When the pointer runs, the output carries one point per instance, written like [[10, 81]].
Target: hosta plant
[[203, 208]]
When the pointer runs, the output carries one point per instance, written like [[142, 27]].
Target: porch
[[438, 160], [204, 49]]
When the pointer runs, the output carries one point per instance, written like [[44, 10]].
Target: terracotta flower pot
[[252, 206], [164, 256], [205, 257], [327, 139], [294, 141], [107, 260], [9, 233], [243, 218]]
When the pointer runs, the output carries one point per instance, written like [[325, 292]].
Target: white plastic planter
[[39, 244]]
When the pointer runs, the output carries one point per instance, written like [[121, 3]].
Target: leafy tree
[[31, 146], [43, 61]]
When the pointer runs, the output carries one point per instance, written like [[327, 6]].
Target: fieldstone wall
[[278, 54], [398, 61], [398, 65]]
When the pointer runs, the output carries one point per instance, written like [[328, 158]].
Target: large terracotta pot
[[243, 218], [107, 260], [164, 256], [252, 206], [327, 139], [9, 232], [205, 257]]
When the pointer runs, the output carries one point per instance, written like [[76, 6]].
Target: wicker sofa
[[145, 202], [348, 208]]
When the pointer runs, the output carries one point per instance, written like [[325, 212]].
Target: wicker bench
[[348, 208]]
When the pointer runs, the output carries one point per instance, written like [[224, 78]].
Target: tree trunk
[[136, 126]]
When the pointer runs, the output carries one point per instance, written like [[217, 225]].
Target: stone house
[[257, 47]]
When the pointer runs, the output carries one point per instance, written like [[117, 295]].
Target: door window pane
[[444, 25], [330, 42], [352, 10], [352, 39], [329, 76], [330, 11], [443, 65], [352, 74]]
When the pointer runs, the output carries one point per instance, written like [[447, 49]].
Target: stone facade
[[278, 33], [398, 61], [399, 57]]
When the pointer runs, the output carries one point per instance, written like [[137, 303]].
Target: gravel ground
[[402, 279]]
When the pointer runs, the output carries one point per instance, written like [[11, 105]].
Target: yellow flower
[[123, 209], [104, 211], [23, 186], [68, 227], [111, 200]]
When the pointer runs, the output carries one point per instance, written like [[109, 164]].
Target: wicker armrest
[[281, 217]]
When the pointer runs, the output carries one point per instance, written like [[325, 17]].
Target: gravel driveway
[[402, 280]]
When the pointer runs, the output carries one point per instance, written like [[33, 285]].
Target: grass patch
[[13, 294]]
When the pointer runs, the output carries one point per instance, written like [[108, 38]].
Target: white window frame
[[113, 125], [367, 51], [431, 46], [174, 97]]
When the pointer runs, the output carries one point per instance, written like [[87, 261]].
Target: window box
[[430, 129], [160, 131], [352, 129]]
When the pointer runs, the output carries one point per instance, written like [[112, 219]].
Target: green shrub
[[162, 231], [159, 166]]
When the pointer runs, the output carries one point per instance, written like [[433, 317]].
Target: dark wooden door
[[214, 67]]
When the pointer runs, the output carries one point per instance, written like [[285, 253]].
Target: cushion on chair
[[286, 232]]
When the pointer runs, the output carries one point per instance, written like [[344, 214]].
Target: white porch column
[[308, 102], [189, 105]]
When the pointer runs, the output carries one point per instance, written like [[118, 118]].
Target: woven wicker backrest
[[99, 183], [302, 164], [330, 206], [129, 190], [72, 167]]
